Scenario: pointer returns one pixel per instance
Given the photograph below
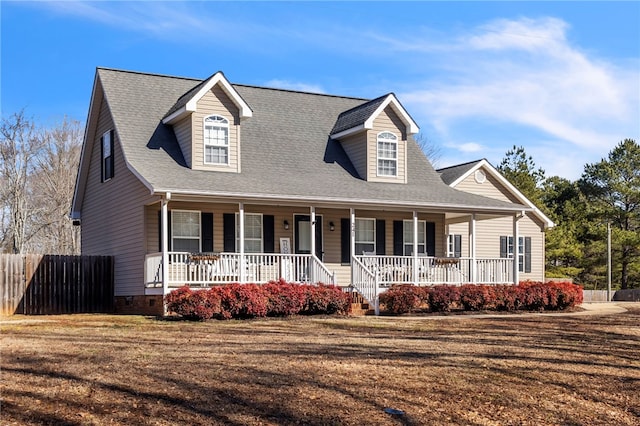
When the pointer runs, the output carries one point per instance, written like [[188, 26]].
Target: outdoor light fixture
[[332, 227], [286, 224]]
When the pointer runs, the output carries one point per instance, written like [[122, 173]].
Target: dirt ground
[[511, 370]]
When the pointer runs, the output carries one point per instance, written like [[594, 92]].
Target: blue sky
[[561, 79]]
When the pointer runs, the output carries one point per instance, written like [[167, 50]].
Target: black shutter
[[160, 229], [102, 161], [268, 232], [398, 238], [503, 247], [345, 240], [431, 239], [229, 229], [380, 237], [207, 232], [527, 254], [457, 245], [113, 156]]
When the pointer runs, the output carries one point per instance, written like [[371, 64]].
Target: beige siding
[[387, 121], [217, 102], [489, 188], [356, 148], [113, 214], [183, 130]]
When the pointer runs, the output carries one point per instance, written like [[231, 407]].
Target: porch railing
[[365, 281], [203, 270], [436, 270]]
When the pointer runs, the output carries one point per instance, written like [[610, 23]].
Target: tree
[[519, 169], [612, 187], [430, 149]]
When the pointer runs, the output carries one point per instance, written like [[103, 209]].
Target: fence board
[[55, 284]]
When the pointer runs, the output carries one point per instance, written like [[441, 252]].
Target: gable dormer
[[374, 136], [206, 121]]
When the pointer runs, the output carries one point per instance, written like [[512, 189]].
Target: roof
[[356, 116], [453, 175], [287, 153]]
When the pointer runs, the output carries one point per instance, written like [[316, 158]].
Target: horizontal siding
[[388, 120], [490, 188], [182, 130], [216, 102], [356, 148], [112, 214]]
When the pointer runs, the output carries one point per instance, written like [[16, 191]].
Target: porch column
[[164, 213], [516, 250], [241, 243], [472, 249], [415, 247], [352, 238], [312, 215]]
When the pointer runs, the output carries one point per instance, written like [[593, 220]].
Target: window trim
[[222, 125], [404, 241], [362, 220], [245, 232], [107, 167], [521, 251], [173, 228], [384, 139]]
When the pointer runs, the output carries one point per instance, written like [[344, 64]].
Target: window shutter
[[398, 233], [160, 229], [503, 247], [229, 228], [431, 238], [207, 232], [112, 159], [102, 160], [345, 240], [527, 254], [457, 245], [268, 231], [380, 237]]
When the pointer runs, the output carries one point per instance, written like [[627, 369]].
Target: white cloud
[[469, 147], [294, 85]]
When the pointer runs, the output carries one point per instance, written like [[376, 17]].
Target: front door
[[302, 235]]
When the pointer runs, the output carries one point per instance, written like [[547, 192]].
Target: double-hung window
[[454, 245], [387, 154], [185, 230], [253, 242], [216, 140], [408, 237], [365, 236], [521, 251]]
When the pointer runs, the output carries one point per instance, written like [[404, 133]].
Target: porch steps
[[360, 306]]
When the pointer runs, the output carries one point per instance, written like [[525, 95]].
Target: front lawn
[[514, 370]]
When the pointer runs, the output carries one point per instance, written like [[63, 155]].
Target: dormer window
[[387, 154], [216, 140]]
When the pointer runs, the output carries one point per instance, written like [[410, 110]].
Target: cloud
[[293, 85]]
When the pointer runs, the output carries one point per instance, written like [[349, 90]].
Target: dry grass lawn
[[513, 370]]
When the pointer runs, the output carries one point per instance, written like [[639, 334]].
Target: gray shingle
[[450, 174], [286, 149], [357, 116]]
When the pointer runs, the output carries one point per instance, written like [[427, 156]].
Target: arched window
[[216, 140], [387, 154]]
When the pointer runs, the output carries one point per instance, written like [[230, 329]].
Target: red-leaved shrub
[[402, 299], [284, 298], [477, 297], [325, 299], [442, 298], [194, 305]]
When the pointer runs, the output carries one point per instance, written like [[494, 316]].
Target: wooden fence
[[35, 284]]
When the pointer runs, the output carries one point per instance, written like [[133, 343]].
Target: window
[[185, 230], [106, 142], [454, 245], [216, 140], [408, 237], [365, 236], [387, 154], [252, 232], [522, 252]]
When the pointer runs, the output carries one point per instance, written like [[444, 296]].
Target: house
[[200, 182]]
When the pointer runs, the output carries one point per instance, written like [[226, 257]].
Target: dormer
[[374, 136], [206, 121]]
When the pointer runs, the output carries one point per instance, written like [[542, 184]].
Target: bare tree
[[430, 149]]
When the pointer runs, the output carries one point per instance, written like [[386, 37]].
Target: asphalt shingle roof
[[286, 149], [450, 174], [356, 116]]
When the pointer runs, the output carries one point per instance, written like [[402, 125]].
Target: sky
[[561, 79]]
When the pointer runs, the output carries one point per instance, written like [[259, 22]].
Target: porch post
[[164, 213], [313, 242], [352, 238], [415, 247], [241, 243], [516, 250], [472, 249]]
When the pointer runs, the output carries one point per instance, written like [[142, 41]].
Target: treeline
[[608, 192]]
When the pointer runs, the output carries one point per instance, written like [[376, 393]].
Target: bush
[[277, 298], [442, 298], [477, 297], [402, 298]]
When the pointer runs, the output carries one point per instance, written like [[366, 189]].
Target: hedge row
[[526, 296], [276, 298]]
